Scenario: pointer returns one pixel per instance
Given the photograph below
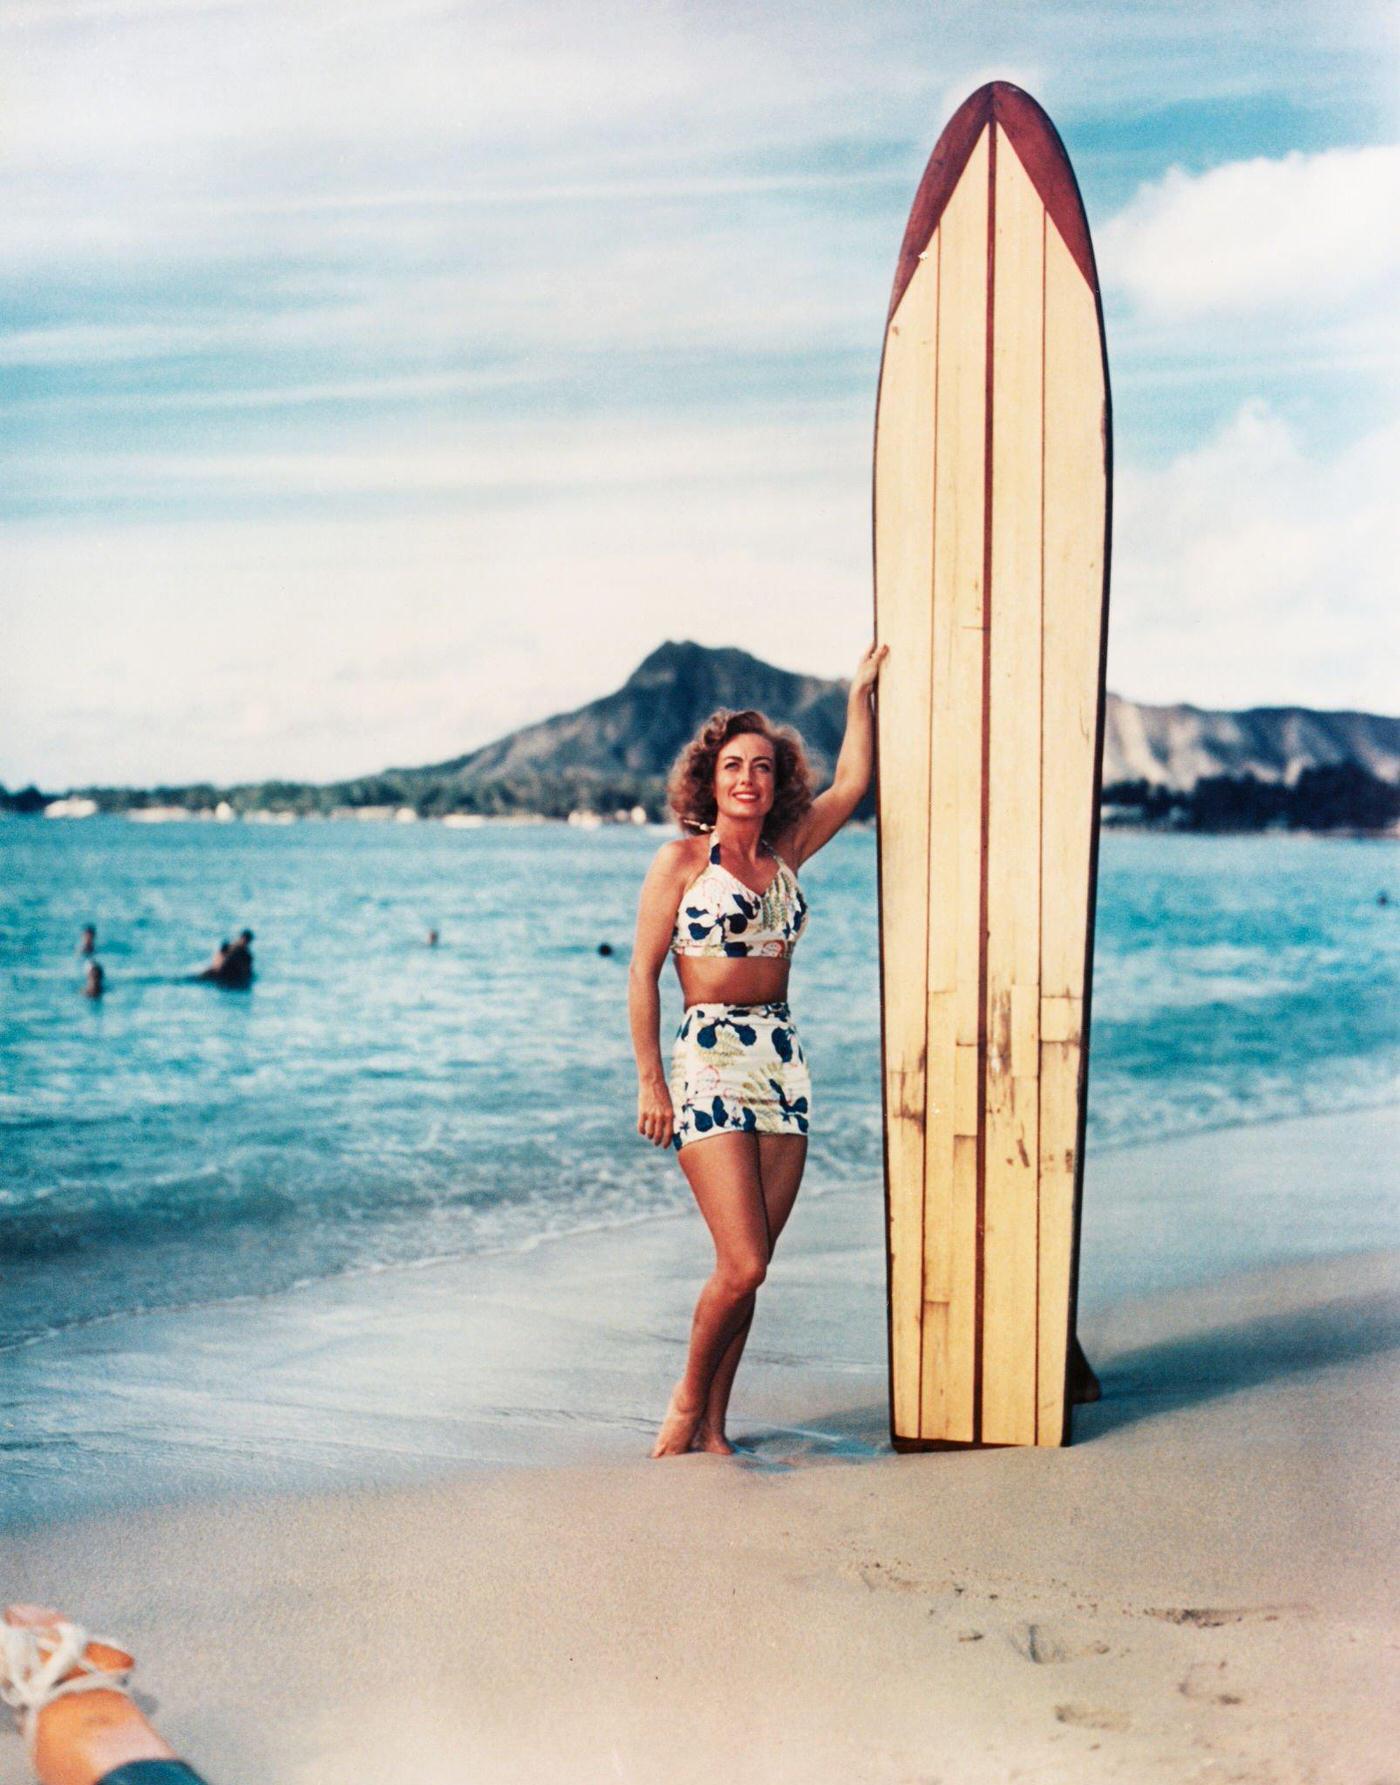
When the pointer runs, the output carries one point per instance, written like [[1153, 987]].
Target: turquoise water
[[375, 1102]]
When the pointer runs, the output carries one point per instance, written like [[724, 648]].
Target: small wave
[[43, 1230], [218, 1297]]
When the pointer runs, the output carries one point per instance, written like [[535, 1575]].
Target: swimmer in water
[[232, 963], [216, 962], [238, 962]]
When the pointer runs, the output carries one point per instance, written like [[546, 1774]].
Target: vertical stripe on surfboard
[[905, 546], [1075, 529], [953, 1028], [1010, 1192]]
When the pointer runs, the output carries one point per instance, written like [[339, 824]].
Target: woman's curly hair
[[691, 786]]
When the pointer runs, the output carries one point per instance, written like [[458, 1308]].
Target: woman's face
[[745, 776]]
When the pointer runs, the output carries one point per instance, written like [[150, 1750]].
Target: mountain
[[1176, 747], [617, 751]]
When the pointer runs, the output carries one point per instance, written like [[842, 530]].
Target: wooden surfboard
[[992, 480]]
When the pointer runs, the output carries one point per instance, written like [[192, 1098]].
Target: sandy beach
[[403, 1525], [537, 529]]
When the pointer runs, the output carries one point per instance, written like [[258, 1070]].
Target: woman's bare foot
[[80, 1738], [679, 1426], [711, 1438]]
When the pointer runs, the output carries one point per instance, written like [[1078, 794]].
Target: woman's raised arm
[[830, 810]]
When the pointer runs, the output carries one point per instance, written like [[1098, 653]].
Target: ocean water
[[373, 1102]]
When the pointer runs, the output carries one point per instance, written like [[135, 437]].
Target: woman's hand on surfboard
[[656, 1115], [868, 669]]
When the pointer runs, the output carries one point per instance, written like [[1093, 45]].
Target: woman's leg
[[86, 1737], [723, 1174], [781, 1158]]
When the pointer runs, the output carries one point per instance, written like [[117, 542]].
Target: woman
[[725, 901]]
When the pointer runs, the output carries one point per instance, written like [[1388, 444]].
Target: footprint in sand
[[1084, 1716], [1211, 1617], [1203, 1683], [1039, 1643], [880, 1575]]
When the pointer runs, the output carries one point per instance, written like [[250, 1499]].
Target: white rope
[[33, 1661]]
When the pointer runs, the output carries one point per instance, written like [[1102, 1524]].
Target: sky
[[378, 377]]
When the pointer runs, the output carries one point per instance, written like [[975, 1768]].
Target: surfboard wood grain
[[904, 473], [948, 1384], [1009, 1196], [1072, 642], [991, 518]]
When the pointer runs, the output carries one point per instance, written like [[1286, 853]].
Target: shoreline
[[565, 1352], [584, 818], [404, 1524], [1110, 1150], [1196, 1590]]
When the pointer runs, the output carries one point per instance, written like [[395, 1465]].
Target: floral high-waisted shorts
[[738, 1068]]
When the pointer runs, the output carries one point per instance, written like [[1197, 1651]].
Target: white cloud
[[326, 647], [1250, 573], [1303, 235], [374, 81], [581, 247], [803, 447]]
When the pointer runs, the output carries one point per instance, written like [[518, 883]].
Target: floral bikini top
[[721, 916]]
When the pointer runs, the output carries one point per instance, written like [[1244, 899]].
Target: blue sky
[[378, 377]]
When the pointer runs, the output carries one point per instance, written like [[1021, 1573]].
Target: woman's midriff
[[710, 981]]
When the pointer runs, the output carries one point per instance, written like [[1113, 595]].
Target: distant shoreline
[[1163, 768], [77, 808]]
